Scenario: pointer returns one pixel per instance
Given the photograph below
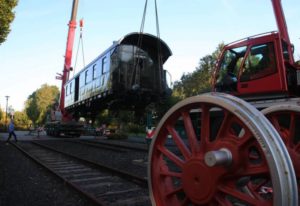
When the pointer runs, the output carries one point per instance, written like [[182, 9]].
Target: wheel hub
[[198, 182], [219, 157]]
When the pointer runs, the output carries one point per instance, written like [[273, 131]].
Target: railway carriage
[[128, 75]]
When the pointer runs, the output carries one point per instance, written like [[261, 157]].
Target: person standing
[[11, 130]]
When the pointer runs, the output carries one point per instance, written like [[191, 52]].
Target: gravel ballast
[[24, 183]]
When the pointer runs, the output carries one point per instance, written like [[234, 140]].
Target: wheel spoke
[[237, 194], [222, 201], [193, 142], [246, 139], [174, 191], [254, 170], [255, 187], [292, 128], [297, 147], [179, 162], [205, 126], [180, 144], [185, 201], [274, 121], [224, 126], [171, 174]]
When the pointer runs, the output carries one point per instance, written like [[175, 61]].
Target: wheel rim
[[227, 167], [285, 119]]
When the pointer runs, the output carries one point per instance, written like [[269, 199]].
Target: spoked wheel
[[286, 120], [216, 149]]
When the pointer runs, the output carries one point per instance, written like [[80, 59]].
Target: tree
[[39, 102], [6, 17], [21, 120], [1, 114], [198, 81]]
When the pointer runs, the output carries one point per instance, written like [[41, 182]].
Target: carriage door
[[259, 73]]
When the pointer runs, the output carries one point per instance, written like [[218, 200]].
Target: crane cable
[[144, 17], [139, 45], [140, 40], [159, 50], [80, 42]]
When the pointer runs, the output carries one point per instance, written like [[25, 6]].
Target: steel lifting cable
[[80, 42], [159, 50], [144, 17], [139, 43], [140, 40]]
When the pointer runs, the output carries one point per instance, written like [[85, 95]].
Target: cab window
[[229, 67], [259, 63]]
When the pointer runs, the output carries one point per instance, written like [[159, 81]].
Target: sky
[[34, 50]]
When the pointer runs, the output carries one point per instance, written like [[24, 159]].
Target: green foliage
[[40, 102], [103, 118], [6, 17], [199, 81], [159, 110], [135, 128], [21, 120]]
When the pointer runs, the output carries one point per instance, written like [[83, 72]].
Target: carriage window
[[259, 63], [86, 76], [105, 65], [229, 67], [67, 90], [95, 71], [70, 88]]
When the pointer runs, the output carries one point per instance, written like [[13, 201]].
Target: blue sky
[[34, 50]]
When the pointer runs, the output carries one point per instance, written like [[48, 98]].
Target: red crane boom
[[282, 27], [68, 59]]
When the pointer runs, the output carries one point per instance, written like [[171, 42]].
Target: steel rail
[[95, 144], [120, 145]]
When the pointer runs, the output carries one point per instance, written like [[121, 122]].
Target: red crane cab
[[259, 66]]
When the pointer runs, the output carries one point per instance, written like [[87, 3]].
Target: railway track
[[121, 144], [111, 147], [103, 185], [132, 162]]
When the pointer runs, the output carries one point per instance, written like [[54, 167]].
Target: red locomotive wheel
[[285, 118], [216, 149]]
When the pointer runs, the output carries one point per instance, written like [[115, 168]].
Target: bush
[[134, 128], [3, 128], [117, 136]]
